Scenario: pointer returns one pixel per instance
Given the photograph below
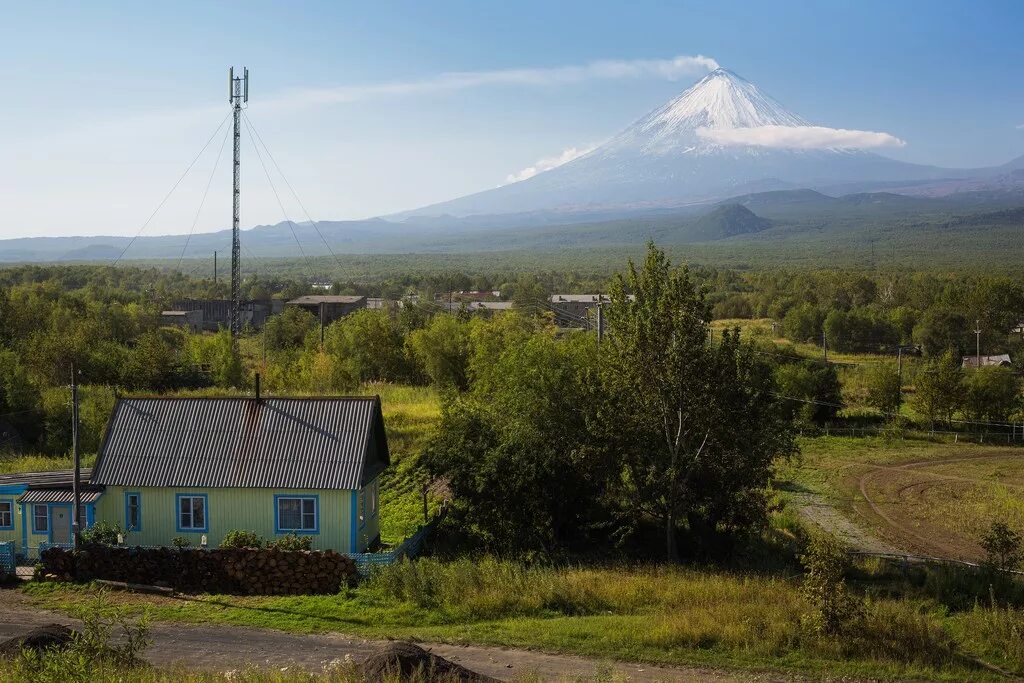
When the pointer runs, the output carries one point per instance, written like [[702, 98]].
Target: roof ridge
[[263, 397]]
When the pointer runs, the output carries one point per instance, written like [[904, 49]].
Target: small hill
[[727, 220]]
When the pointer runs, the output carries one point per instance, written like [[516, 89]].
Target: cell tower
[[238, 94]]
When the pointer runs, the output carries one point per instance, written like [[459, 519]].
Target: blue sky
[[106, 103]]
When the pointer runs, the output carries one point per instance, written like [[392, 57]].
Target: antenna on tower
[[238, 93]]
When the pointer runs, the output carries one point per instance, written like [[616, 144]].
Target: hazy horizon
[[366, 117]]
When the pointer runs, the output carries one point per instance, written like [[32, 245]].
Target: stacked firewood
[[245, 571], [276, 572]]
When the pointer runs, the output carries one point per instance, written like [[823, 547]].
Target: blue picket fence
[[410, 547], [8, 564]]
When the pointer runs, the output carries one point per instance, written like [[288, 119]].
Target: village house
[[197, 468]]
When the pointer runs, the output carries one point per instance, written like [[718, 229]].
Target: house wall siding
[[228, 509]]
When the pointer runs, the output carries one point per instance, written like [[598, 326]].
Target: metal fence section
[[410, 547], [8, 565]]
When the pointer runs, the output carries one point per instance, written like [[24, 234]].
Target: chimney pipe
[[257, 386]]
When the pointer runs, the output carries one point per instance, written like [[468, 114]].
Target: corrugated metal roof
[[60, 495], [54, 478], [308, 443]]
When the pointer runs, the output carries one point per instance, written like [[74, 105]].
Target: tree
[[803, 323], [812, 391], [941, 330], [366, 346], [515, 453], [695, 428], [442, 350], [289, 329], [883, 388], [938, 391], [992, 394]]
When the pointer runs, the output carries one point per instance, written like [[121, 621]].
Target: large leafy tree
[[939, 388], [514, 450], [694, 426]]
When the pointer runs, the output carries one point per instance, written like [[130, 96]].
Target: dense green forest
[[106, 321]]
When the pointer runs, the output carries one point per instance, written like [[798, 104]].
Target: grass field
[[647, 614], [920, 496]]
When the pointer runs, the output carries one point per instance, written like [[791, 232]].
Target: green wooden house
[[197, 468]]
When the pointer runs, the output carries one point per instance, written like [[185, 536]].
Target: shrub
[[242, 539], [1002, 546], [834, 611], [180, 542], [292, 542], [109, 640], [103, 533]]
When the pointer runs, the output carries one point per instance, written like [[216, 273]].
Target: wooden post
[[76, 484]]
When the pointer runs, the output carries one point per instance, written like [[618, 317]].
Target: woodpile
[[240, 571]]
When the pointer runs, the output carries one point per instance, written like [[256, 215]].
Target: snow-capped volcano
[[719, 138], [721, 100]]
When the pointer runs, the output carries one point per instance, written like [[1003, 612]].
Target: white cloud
[[1020, 127], [548, 163], [799, 137], [665, 69]]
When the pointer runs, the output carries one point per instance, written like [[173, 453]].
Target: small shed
[[1000, 360]]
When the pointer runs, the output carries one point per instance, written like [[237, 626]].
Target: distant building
[[330, 307], [476, 306], [191, 320], [1001, 360], [574, 310], [217, 312]]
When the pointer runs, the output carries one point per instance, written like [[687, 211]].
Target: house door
[[60, 519]]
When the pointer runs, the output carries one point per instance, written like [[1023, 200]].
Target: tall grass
[[665, 608]]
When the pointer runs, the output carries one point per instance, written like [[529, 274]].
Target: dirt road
[[223, 648]]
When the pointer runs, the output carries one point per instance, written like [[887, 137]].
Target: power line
[[168, 195], [202, 202], [316, 226], [291, 226]]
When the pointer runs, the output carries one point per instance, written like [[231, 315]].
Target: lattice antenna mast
[[238, 94]]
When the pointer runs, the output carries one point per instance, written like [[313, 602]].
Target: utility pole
[[899, 376], [600, 322], [76, 483], [238, 93], [321, 325], [824, 346], [215, 268], [977, 343]]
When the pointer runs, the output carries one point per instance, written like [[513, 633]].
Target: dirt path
[[223, 648], [934, 540], [815, 509]]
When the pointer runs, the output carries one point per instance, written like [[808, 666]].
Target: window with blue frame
[[40, 519], [133, 511], [297, 514], [7, 515], [192, 512]]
